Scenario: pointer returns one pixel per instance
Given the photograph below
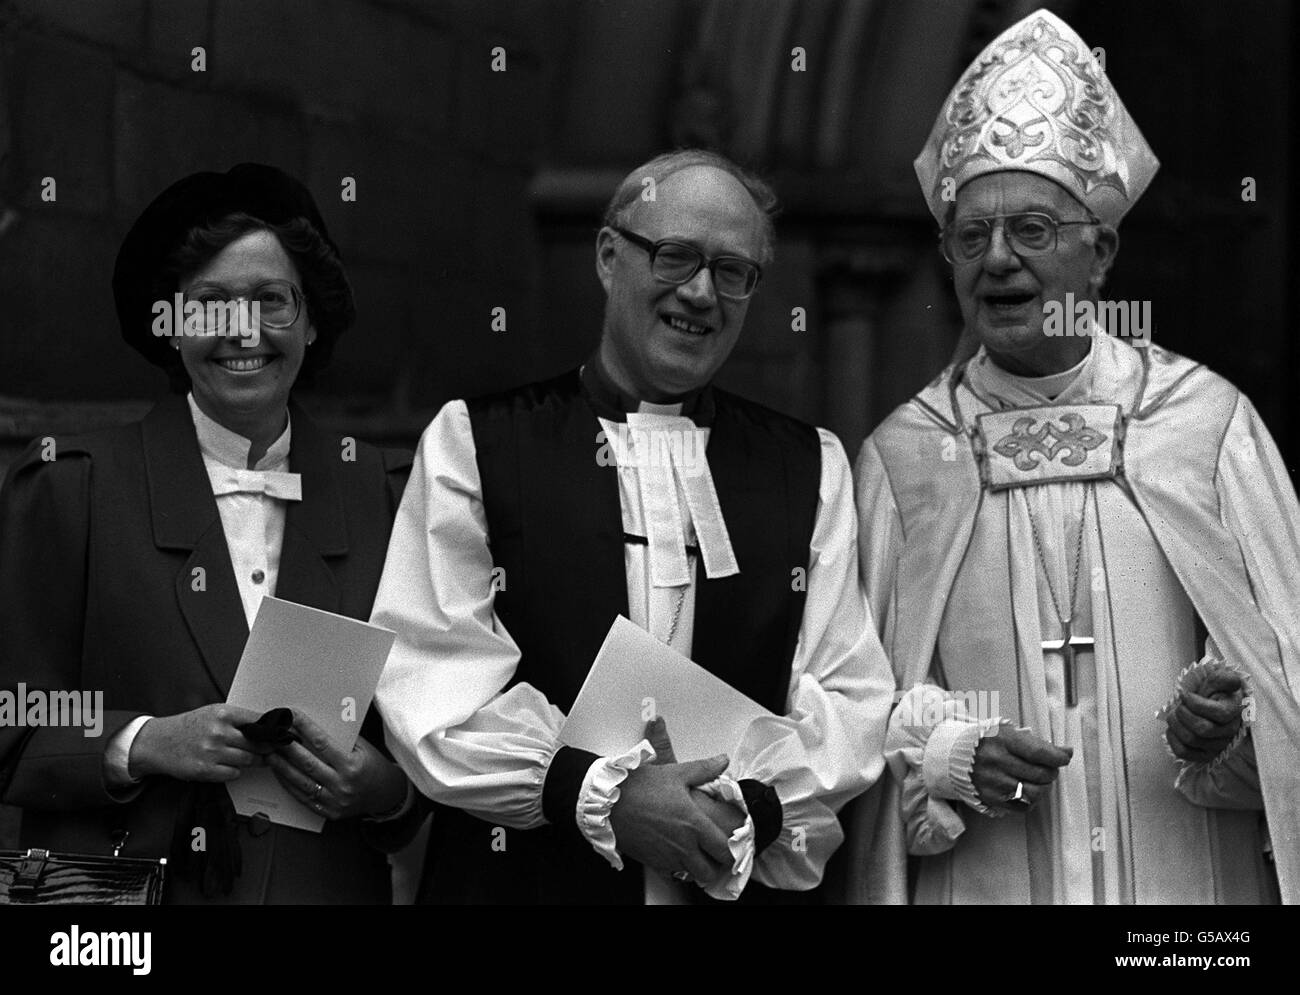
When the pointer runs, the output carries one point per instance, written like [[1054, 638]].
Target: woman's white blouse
[[253, 522]]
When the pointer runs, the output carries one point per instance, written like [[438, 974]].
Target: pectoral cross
[[1066, 646]]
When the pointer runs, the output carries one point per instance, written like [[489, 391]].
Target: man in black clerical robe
[[632, 486]]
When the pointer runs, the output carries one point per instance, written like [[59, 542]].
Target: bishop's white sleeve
[[880, 537], [1258, 504], [827, 748], [461, 739], [931, 741]]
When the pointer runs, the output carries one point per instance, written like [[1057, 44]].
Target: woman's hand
[[338, 785], [202, 745]]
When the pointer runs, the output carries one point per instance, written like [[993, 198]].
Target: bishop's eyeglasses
[[1029, 234], [734, 277]]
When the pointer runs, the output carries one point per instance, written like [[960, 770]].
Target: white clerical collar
[[648, 408], [990, 378], [230, 449]]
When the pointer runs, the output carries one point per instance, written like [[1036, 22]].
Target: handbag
[[40, 877]]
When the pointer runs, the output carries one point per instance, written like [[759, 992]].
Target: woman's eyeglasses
[[278, 303]]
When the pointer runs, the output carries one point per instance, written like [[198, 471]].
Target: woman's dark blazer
[[115, 577]]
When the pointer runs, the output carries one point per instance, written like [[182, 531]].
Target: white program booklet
[[634, 678], [315, 662]]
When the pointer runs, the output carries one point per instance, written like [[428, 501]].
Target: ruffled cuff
[[1191, 679], [741, 843], [600, 792], [1232, 783], [950, 757], [1230, 751], [937, 831]]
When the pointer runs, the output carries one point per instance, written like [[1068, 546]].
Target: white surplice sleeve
[[461, 739], [931, 741], [880, 536], [827, 748], [1258, 504], [466, 743]]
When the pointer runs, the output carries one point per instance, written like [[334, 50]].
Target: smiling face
[[661, 341], [246, 389], [1003, 295]]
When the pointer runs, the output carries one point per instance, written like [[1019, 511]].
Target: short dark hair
[[326, 290], [663, 166]]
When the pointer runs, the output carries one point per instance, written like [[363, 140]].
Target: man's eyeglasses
[[734, 277], [278, 302], [1029, 234]]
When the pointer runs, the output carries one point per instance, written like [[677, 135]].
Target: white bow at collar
[[272, 483]]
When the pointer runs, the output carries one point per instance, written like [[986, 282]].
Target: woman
[[132, 562]]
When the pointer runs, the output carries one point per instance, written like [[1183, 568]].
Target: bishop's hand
[[658, 822], [1206, 720], [1015, 761], [725, 816]]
